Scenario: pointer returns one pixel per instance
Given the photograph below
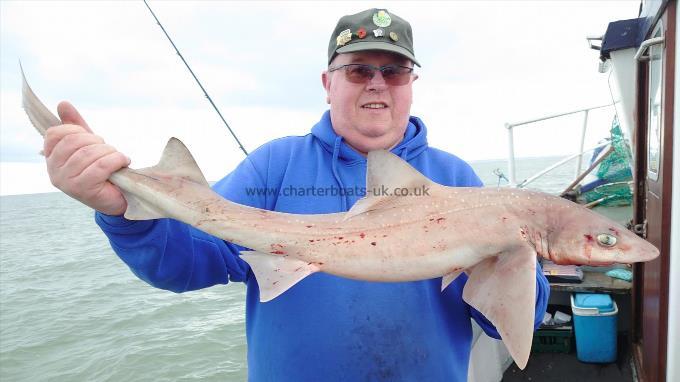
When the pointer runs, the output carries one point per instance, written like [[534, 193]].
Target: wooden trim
[[667, 168], [639, 176], [668, 18], [640, 191], [637, 362]]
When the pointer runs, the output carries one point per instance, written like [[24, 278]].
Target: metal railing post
[[579, 162], [511, 146], [511, 156]]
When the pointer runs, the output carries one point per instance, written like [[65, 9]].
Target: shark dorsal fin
[[386, 169], [385, 173], [176, 160]]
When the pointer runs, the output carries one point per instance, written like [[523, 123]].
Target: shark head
[[585, 237]]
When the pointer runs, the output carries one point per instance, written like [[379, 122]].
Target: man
[[325, 328]]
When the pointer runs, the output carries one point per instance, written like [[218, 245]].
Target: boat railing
[[579, 153]]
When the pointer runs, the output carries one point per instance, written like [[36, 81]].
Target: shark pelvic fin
[[137, 209], [176, 161], [275, 274], [503, 289], [387, 178]]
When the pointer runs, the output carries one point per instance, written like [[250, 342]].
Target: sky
[[484, 64]]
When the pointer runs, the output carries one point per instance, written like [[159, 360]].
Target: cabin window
[[655, 112]]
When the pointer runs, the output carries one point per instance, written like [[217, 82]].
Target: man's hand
[[79, 163]]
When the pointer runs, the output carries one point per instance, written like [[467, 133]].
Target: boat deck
[[560, 367], [555, 367]]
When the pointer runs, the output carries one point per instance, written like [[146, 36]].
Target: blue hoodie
[[325, 328]]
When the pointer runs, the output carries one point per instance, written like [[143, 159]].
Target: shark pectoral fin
[[503, 289], [275, 273], [449, 277]]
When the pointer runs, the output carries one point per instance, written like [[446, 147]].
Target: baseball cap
[[372, 29]]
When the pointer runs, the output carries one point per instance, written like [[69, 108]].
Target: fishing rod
[[196, 78]]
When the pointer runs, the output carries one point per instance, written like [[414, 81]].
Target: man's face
[[371, 115]]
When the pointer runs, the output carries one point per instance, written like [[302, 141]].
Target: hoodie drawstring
[[404, 153], [334, 167]]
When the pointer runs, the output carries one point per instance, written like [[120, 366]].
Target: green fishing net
[[616, 167], [614, 172], [611, 194]]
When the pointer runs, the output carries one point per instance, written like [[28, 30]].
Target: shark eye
[[606, 240]]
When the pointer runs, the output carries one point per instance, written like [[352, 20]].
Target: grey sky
[[484, 64]]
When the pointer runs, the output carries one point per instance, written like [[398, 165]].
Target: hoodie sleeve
[[171, 255]]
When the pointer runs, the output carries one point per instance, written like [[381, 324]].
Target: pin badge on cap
[[394, 36], [361, 33], [378, 32], [382, 19], [344, 37]]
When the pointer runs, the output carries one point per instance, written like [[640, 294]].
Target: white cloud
[[24, 178], [484, 64]]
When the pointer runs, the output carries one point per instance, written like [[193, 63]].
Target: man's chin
[[375, 128], [374, 139]]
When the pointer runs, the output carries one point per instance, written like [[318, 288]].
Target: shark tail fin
[[39, 115], [176, 162], [503, 289], [275, 274]]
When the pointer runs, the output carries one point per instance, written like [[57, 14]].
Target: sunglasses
[[394, 75]]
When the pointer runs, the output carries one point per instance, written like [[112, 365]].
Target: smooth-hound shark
[[492, 234]]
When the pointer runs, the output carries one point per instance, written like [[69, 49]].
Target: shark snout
[[640, 251], [649, 253]]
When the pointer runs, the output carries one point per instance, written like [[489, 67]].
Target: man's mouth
[[375, 105]]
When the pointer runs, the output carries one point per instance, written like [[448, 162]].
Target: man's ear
[[326, 81]]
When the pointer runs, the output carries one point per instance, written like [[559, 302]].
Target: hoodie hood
[[414, 142]]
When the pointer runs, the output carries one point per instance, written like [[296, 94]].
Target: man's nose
[[377, 83]]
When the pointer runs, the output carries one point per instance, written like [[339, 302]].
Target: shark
[[494, 235]]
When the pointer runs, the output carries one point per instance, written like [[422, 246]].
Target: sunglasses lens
[[358, 74], [396, 75]]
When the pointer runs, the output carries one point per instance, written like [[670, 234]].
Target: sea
[[70, 310]]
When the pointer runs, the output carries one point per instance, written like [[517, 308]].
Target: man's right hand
[[80, 163]]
